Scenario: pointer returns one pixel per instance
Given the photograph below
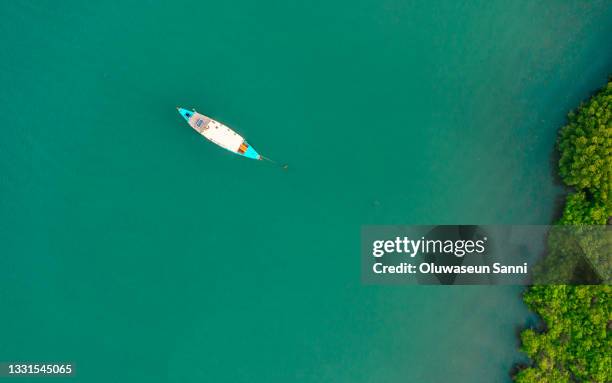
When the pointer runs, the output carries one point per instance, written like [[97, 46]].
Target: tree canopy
[[573, 343], [585, 145], [575, 347]]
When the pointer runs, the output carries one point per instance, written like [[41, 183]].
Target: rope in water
[[284, 166]]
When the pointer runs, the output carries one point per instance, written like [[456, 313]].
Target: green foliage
[[577, 255], [585, 145], [580, 211], [575, 344], [563, 258]]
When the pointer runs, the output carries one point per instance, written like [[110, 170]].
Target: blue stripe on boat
[[185, 113], [251, 153]]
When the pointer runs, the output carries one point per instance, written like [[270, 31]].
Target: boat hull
[[219, 134]]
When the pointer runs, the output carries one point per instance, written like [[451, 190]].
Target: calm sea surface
[[143, 253]]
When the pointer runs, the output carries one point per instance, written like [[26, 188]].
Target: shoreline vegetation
[[572, 341]]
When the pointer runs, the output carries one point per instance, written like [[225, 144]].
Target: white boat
[[219, 134]]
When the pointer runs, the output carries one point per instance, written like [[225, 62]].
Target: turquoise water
[[139, 251]]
